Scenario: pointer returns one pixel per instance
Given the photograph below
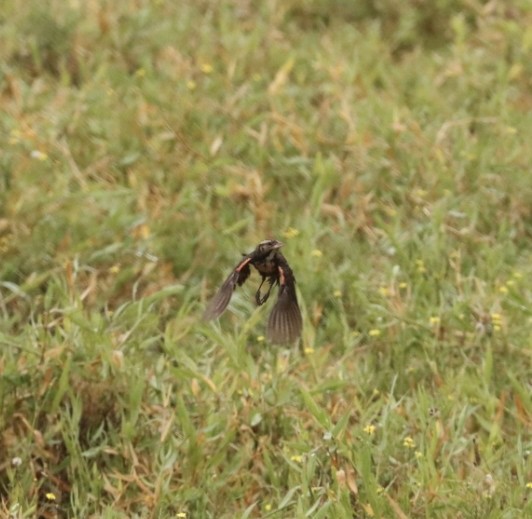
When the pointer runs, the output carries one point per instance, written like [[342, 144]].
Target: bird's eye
[[265, 245]]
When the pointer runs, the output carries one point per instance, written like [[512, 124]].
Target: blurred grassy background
[[148, 143]]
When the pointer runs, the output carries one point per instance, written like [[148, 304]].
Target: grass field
[[146, 144]]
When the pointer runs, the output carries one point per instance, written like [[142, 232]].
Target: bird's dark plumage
[[285, 322]]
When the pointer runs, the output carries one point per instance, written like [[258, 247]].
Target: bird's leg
[[265, 298], [258, 299], [261, 300]]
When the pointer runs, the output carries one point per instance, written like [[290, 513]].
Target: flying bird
[[285, 322]]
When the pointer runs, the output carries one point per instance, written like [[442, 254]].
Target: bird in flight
[[285, 322]]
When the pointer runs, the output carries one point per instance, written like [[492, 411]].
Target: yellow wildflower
[[290, 233], [409, 443], [384, 291], [421, 266], [496, 320], [369, 429]]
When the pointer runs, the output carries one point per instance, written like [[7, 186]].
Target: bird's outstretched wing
[[285, 321], [219, 302]]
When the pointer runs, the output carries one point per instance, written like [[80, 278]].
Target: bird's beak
[[278, 244]]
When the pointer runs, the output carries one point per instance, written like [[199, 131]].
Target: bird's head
[[267, 246]]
